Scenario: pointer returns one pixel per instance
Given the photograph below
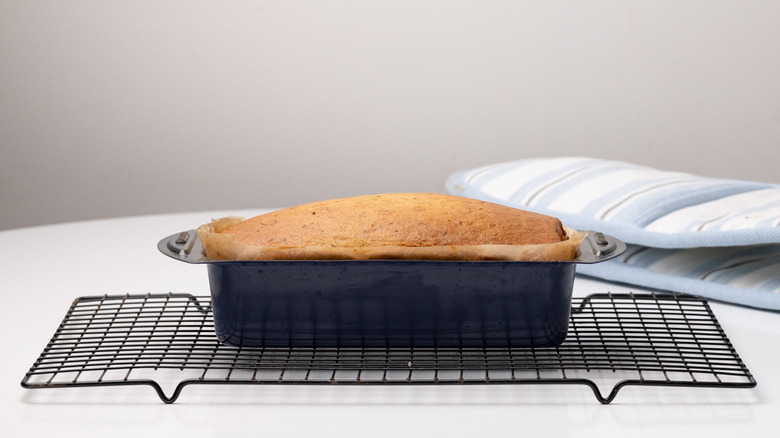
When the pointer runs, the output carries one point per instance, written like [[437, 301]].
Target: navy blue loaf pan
[[390, 303]]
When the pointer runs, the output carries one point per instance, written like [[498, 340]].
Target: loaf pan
[[390, 303]]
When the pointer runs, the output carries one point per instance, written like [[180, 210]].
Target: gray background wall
[[113, 108]]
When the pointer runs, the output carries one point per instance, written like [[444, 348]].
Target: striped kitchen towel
[[712, 237]]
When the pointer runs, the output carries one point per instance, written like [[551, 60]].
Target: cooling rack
[[615, 340]]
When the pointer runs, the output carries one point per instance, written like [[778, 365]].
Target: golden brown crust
[[400, 225]]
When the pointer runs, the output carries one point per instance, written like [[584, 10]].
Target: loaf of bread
[[417, 226]]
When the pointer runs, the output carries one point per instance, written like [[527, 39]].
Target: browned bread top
[[399, 219], [398, 225]]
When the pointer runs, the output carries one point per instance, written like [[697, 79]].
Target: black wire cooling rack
[[621, 339]]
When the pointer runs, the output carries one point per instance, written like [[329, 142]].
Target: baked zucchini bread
[[417, 226]]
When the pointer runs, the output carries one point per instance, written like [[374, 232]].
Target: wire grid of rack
[[621, 339]]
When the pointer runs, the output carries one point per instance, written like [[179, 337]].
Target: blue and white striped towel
[[711, 237]]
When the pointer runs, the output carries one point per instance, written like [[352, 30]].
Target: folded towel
[[711, 237], [747, 275]]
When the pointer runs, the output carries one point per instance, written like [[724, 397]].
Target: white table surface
[[43, 269]]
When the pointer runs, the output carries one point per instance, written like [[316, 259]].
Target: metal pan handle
[[599, 247], [184, 246]]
